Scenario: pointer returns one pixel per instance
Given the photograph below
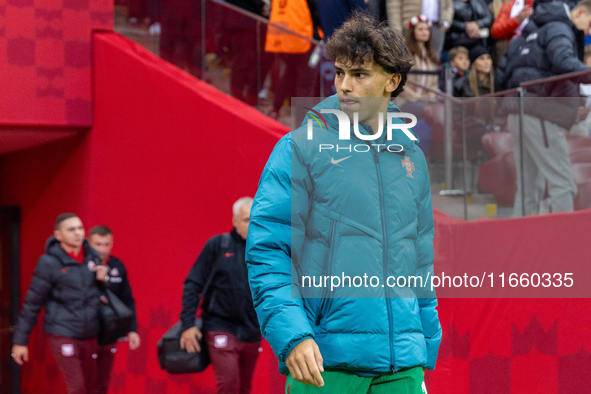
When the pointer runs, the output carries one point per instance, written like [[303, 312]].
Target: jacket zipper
[[324, 301], [385, 246]]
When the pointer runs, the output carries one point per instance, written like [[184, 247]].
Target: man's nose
[[346, 85]]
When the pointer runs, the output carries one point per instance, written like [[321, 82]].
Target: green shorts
[[408, 381]]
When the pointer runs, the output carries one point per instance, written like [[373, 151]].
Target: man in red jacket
[[511, 19]]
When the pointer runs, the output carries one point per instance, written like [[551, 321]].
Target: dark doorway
[[9, 296]]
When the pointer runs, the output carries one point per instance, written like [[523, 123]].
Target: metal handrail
[[555, 78]]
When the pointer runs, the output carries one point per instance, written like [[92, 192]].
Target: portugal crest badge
[[408, 165]]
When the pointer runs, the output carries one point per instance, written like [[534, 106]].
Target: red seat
[[497, 143], [581, 172], [497, 176], [581, 155], [583, 197], [577, 142]]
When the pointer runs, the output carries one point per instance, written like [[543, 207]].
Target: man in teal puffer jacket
[[349, 204]]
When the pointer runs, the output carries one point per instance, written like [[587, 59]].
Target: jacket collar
[[53, 248]]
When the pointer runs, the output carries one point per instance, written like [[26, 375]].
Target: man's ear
[[393, 82], [58, 235]]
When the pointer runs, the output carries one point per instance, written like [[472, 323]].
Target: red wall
[[45, 60]]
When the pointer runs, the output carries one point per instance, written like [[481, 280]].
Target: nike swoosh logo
[[333, 161]]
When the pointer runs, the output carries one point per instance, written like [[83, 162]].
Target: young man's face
[[241, 221], [103, 244], [581, 19], [363, 88], [461, 62], [70, 233]]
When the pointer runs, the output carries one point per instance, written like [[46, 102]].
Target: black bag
[[171, 357], [115, 319], [174, 360]]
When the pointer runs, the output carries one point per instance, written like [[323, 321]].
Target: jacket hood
[[332, 102], [529, 28], [51, 244], [555, 11]]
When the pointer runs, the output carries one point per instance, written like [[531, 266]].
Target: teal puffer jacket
[[319, 212]]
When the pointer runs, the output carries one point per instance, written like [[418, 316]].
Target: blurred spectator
[[554, 47], [439, 12], [419, 40], [414, 99], [101, 239], [470, 26], [180, 38], [459, 61], [583, 128], [229, 320], [480, 80], [301, 72], [333, 13], [498, 46], [241, 30], [377, 9], [512, 18], [67, 281]]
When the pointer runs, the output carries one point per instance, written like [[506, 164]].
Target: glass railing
[[474, 147], [516, 152], [224, 45]]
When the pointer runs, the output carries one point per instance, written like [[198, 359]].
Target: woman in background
[[481, 79], [418, 40]]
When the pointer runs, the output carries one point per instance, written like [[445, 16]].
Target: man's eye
[[360, 75], [339, 73]]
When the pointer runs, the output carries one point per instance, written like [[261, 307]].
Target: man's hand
[[189, 340], [473, 30], [305, 363], [134, 340], [101, 272], [20, 354], [525, 13]]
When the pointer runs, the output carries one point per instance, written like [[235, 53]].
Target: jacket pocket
[[325, 301]]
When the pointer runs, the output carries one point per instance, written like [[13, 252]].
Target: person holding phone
[[470, 26]]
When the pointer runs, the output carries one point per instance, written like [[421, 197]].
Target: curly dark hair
[[363, 39]]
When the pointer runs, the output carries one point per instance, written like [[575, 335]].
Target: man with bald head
[[230, 324]]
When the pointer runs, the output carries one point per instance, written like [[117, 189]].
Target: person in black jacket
[[480, 80], [66, 281], [101, 239], [229, 320], [551, 44], [470, 26]]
